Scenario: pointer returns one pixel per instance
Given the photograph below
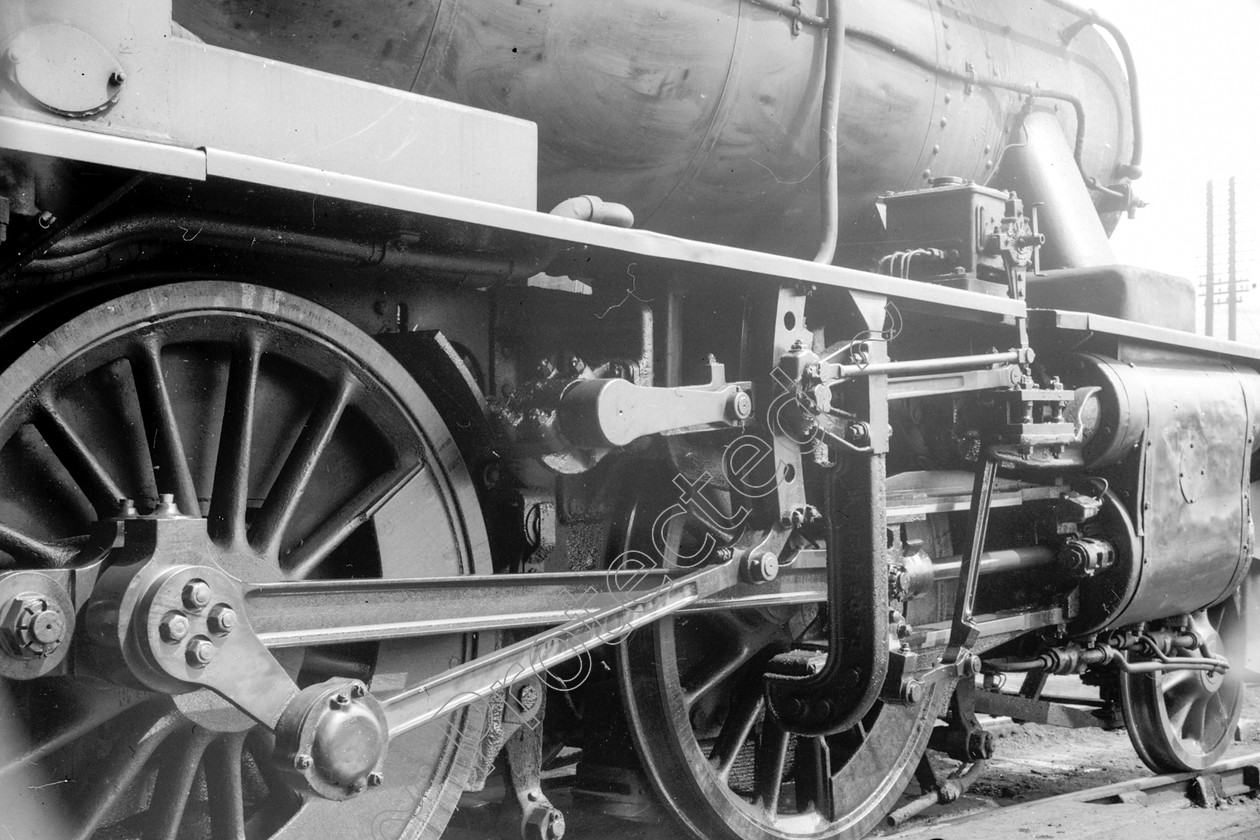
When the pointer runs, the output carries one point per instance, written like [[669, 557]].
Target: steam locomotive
[[736, 394]]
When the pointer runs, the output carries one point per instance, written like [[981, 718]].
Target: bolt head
[[375, 779], [196, 594], [174, 627], [358, 690], [543, 824], [528, 697], [201, 652], [912, 693], [302, 761], [222, 620], [742, 405], [339, 701]]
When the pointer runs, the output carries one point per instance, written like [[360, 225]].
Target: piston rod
[[1002, 560]]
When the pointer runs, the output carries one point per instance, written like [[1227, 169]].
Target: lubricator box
[[958, 218]]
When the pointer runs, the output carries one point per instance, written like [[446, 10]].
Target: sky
[[1199, 72]]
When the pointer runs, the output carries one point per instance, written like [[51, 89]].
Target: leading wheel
[[291, 433], [1185, 720], [693, 693]]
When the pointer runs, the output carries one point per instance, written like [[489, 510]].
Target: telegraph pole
[[1209, 288], [1233, 254]]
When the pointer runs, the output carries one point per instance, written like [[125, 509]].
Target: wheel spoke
[[99, 706], [750, 641], [34, 551], [261, 745], [813, 775], [268, 527], [128, 758], [772, 753], [171, 472], [174, 784], [358, 510], [735, 731], [78, 459], [1196, 719], [231, 472], [1172, 679], [225, 788], [1178, 705]]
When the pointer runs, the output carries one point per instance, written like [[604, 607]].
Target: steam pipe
[[983, 81], [82, 248], [793, 12], [828, 130], [1088, 17]]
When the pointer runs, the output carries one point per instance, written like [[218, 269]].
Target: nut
[[375, 779], [543, 824], [200, 652], [339, 700], [222, 620], [35, 626], [302, 761], [174, 627], [196, 594], [528, 697]]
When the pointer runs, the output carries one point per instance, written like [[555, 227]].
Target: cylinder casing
[[1180, 517]]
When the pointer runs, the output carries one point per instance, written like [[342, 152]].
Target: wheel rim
[[296, 436], [1185, 720], [724, 769]]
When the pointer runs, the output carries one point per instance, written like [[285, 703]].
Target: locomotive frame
[[268, 606]]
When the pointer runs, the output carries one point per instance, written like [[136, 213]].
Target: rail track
[[1184, 804]]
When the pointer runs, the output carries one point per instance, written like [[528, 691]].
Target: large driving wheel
[[1185, 720], [693, 693], [312, 454]]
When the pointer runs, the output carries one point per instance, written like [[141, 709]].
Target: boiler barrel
[[702, 115]]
